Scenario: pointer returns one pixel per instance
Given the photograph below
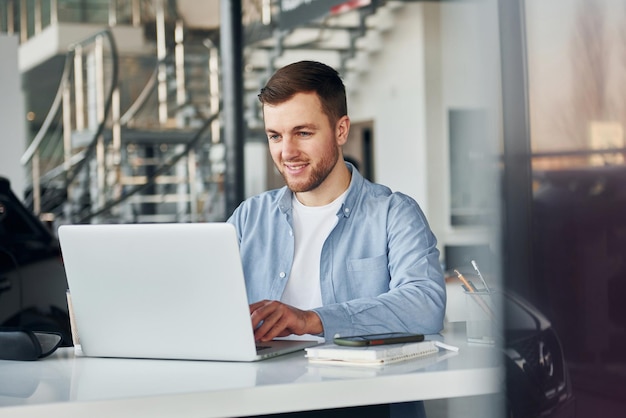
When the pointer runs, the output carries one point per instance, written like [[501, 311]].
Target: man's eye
[[304, 134], [273, 138]]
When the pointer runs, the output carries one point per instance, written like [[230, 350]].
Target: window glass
[[577, 112]]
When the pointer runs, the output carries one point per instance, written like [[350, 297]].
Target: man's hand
[[280, 320]]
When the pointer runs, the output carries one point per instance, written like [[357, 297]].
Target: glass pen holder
[[482, 316]]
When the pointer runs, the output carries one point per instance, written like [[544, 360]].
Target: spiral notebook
[[371, 355]]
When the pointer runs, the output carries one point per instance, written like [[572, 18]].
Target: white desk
[[64, 385]]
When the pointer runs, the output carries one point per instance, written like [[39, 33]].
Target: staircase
[[169, 164], [132, 139], [109, 151]]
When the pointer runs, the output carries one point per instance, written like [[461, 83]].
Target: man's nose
[[290, 148]]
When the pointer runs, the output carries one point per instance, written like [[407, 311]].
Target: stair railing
[[188, 148], [72, 132]]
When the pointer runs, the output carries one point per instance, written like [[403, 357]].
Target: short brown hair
[[305, 77]]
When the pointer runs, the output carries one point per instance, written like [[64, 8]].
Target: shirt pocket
[[368, 277]]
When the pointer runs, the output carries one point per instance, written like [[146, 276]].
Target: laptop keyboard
[[262, 347]]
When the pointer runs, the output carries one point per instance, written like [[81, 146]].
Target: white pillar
[[12, 116]]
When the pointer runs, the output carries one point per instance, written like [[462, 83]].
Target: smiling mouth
[[295, 167]]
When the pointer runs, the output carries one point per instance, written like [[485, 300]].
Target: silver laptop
[[170, 291]]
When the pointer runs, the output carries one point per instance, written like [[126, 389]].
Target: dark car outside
[[538, 380], [32, 277]]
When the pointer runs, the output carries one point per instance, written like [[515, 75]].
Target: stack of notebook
[[371, 355]]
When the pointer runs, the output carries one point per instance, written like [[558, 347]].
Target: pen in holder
[[481, 316], [481, 310]]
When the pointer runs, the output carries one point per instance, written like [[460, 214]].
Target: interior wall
[[438, 56], [12, 112], [392, 96], [470, 74]]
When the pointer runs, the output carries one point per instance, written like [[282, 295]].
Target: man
[[331, 253]]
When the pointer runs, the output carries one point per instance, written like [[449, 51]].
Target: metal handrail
[[130, 113], [42, 155], [107, 107], [54, 108], [32, 153], [151, 179], [147, 91]]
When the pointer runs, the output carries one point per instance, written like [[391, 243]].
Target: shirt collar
[[356, 183]]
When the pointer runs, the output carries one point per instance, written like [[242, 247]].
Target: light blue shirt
[[379, 266]]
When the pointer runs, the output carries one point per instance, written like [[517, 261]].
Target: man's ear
[[342, 129]]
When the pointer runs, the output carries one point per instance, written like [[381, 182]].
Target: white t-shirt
[[312, 225]]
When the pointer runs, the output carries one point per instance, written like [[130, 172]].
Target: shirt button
[[291, 232], [347, 210], [282, 274]]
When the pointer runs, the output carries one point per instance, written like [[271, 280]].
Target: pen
[[466, 284], [482, 279], [469, 287]]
